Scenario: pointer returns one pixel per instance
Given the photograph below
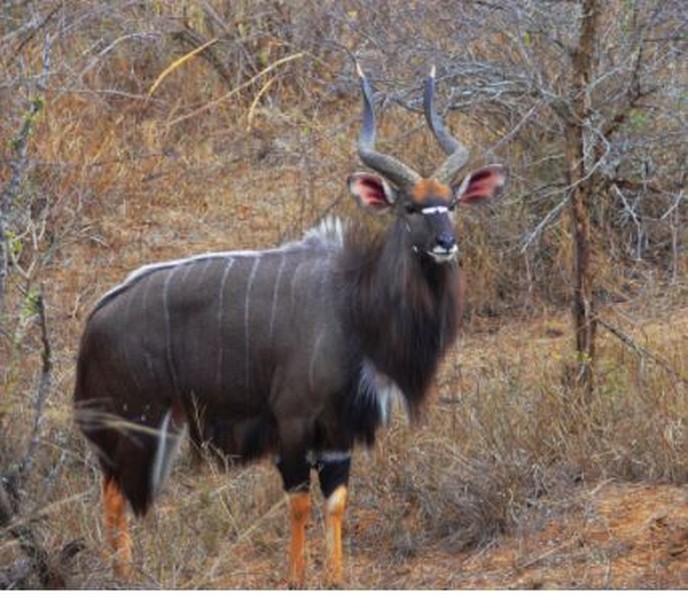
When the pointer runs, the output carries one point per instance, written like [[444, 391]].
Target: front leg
[[333, 474], [300, 508], [295, 473]]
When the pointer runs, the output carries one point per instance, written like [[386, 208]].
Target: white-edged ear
[[481, 185], [371, 191]]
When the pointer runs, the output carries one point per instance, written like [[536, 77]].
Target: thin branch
[[640, 350], [634, 217], [674, 206], [237, 89], [18, 166], [177, 63], [44, 386], [541, 225]]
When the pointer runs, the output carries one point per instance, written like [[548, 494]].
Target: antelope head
[[425, 205]]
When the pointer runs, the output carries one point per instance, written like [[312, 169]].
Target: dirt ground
[[611, 536], [617, 536]]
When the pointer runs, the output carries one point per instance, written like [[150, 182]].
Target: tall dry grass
[[503, 447]]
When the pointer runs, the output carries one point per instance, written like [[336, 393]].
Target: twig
[[629, 341], [238, 89], [636, 221], [43, 386], [177, 63], [548, 217], [254, 104]]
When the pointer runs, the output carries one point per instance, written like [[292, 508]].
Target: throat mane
[[404, 309]]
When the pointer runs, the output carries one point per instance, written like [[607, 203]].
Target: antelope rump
[[296, 351]]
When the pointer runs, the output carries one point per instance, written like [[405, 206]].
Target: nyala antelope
[[296, 351]]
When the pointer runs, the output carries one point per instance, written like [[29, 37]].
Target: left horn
[[456, 151], [393, 169]]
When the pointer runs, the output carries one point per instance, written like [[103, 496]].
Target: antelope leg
[[296, 473], [334, 517], [300, 507], [333, 474], [117, 527]]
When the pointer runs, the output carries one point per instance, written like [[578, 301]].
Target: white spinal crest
[[329, 230]]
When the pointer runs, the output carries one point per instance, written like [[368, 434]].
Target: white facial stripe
[[434, 210]]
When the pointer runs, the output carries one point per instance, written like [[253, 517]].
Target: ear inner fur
[[483, 184], [371, 191]]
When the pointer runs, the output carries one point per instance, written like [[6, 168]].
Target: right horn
[[456, 151], [388, 166]]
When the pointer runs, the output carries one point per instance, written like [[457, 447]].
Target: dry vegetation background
[[134, 132]]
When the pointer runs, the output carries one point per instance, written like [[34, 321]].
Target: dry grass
[[503, 453]]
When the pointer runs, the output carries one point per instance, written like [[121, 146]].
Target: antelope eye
[[411, 208]]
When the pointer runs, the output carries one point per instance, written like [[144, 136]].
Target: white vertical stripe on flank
[[168, 329], [187, 269], [294, 277], [314, 358], [146, 286], [247, 310], [127, 358], [220, 313], [144, 303], [275, 293]]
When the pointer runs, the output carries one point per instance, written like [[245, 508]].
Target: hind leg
[[117, 527]]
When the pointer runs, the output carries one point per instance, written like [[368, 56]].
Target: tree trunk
[[581, 186]]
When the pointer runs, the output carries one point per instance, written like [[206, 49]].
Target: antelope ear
[[372, 192], [481, 185]]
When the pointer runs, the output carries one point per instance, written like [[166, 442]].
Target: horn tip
[[433, 71], [359, 70]]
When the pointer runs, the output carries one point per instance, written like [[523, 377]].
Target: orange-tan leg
[[117, 528], [335, 506], [300, 508]]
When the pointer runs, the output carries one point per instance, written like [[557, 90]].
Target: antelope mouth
[[440, 254]]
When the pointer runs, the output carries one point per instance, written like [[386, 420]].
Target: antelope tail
[[169, 440]]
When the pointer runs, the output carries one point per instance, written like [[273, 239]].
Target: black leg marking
[[333, 473], [296, 474]]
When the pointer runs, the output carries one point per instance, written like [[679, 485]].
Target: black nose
[[446, 240]]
